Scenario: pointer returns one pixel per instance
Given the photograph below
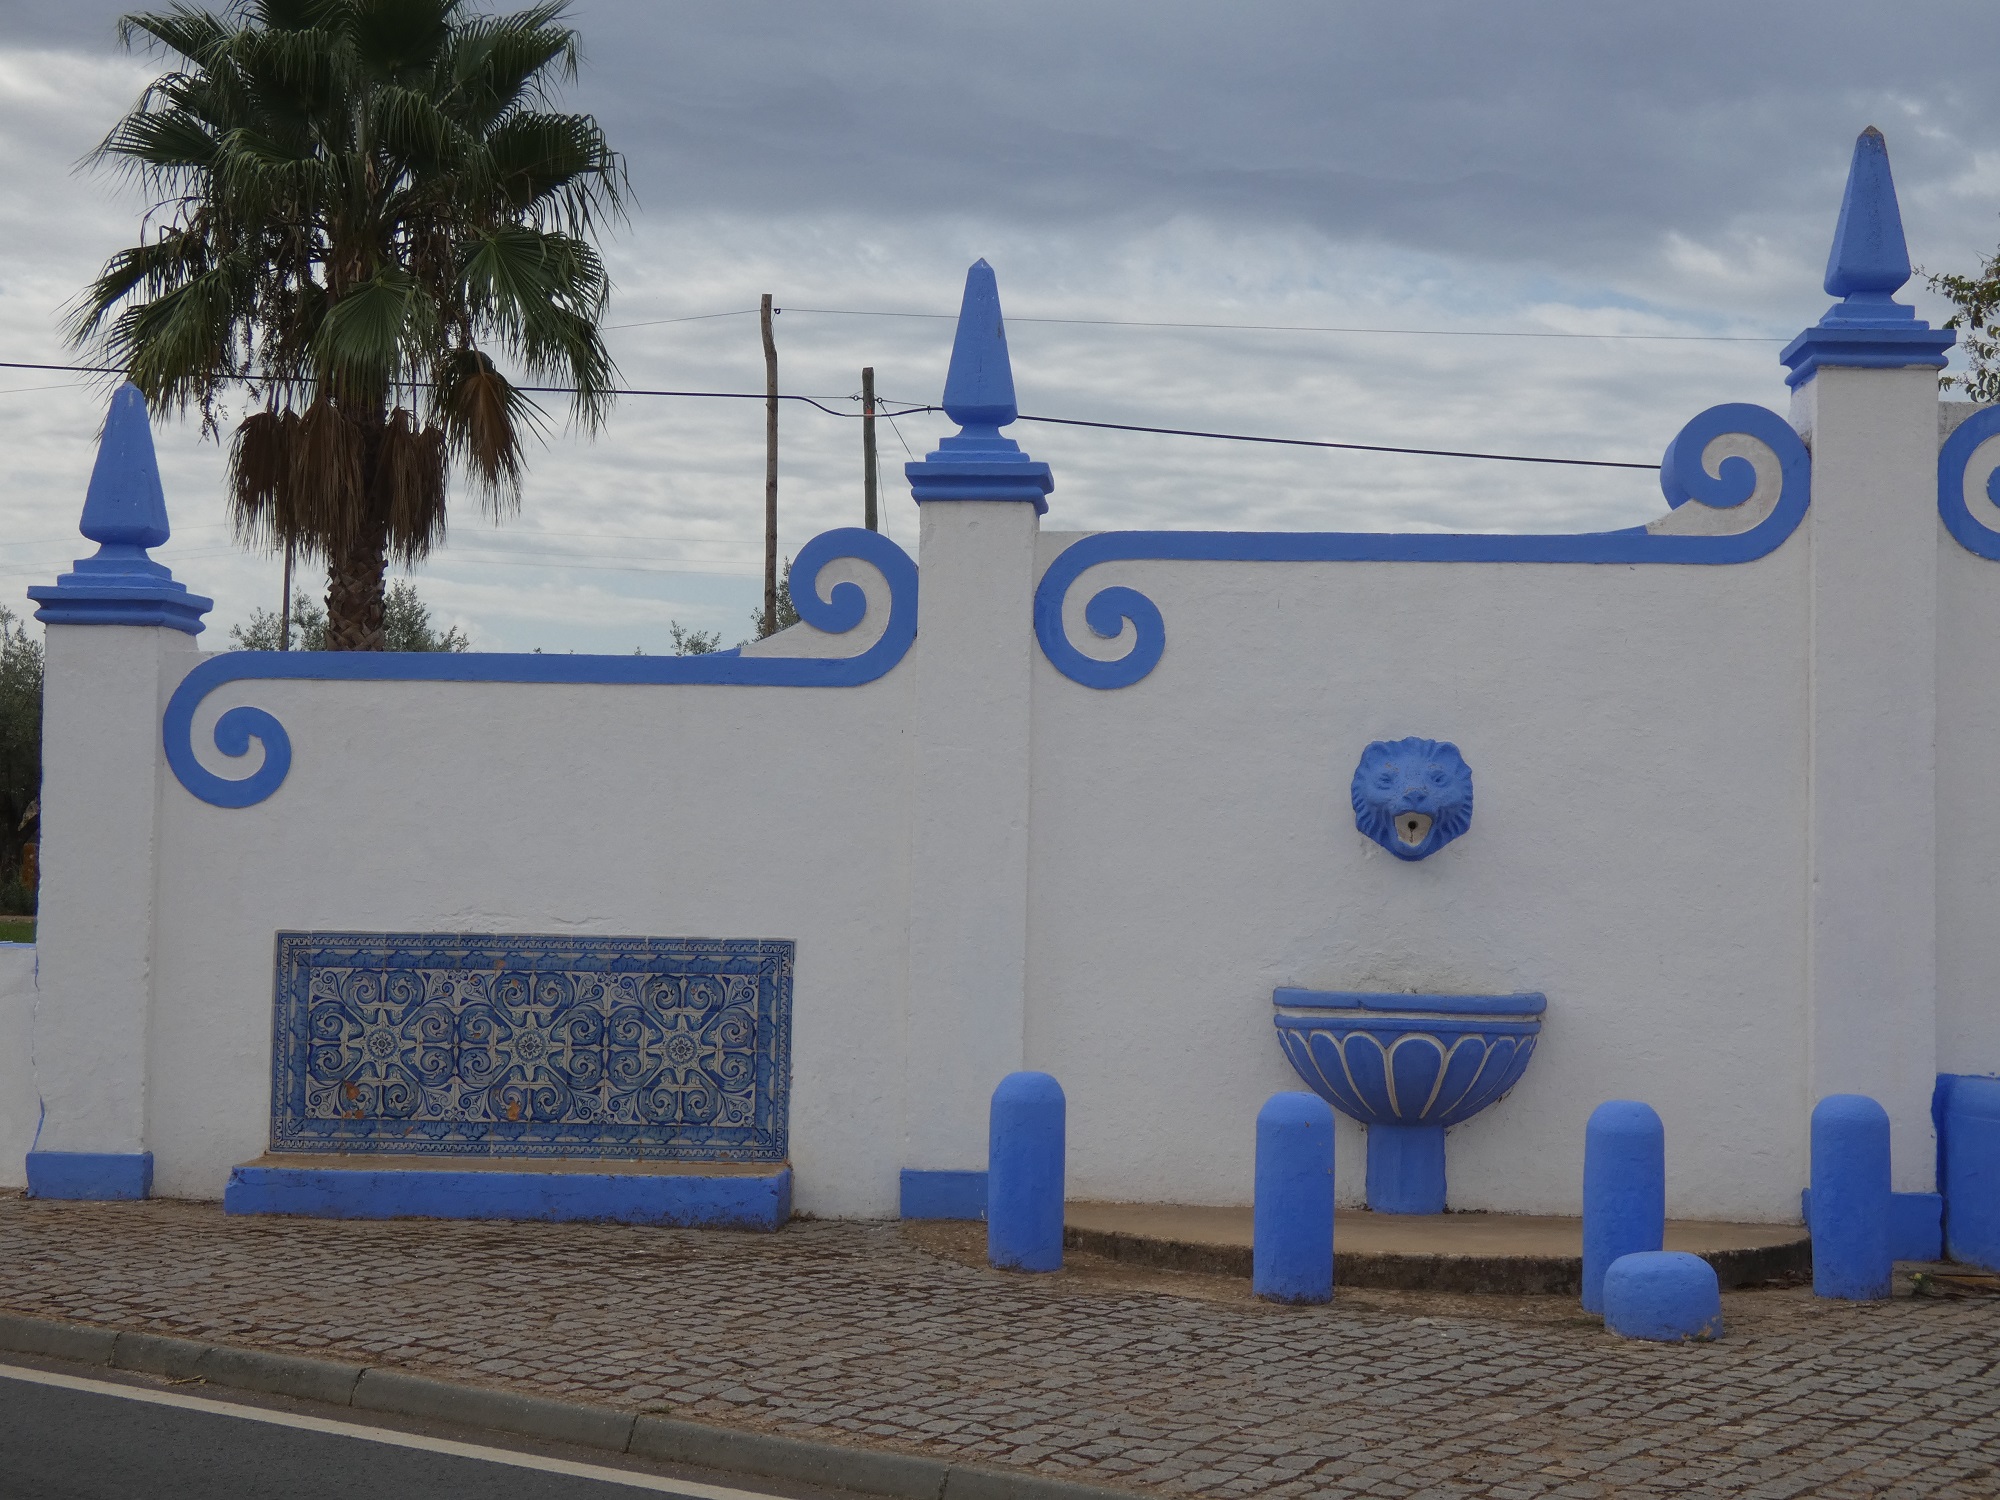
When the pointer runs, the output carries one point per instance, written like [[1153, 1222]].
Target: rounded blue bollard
[[1024, 1174], [1850, 1198], [1624, 1189], [1292, 1240], [1667, 1296]]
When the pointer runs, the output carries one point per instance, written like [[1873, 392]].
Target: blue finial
[[124, 512], [125, 505], [1870, 261], [978, 463], [979, 386], [1870, 256]]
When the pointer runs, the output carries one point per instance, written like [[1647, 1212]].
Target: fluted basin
[[1407, 1066]]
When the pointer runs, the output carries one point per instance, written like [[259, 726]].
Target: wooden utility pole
[[868, 516], [285, 609], [770, 470]]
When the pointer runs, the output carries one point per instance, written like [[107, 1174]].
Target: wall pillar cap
[[978, 462], [125, 513], [1870, 261]]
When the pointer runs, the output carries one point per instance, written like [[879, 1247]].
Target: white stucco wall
[[1705, 828], [686, 812], [1968, 753], [19, 1106], [1637, 738]]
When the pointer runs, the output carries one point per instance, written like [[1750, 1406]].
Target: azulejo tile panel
[[485, 1044]]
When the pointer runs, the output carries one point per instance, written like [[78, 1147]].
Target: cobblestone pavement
[[897, 1336]]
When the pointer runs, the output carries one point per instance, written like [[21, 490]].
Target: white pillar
[[1872, 943], [115, 625], [982, 500], [94, 940], [1865, 393], [969, 824]]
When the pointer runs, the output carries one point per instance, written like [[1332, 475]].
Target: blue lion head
[[1412, 796]]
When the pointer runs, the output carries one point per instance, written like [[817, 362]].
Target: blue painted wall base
[[943, 1195], [1406, 1169], [749, 1200], [1916, 1224], [90, 1176]]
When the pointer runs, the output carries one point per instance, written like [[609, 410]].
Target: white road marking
[[388, 1436]]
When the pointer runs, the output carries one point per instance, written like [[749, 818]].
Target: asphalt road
[[65, 1437]]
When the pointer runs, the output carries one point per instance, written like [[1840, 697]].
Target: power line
[[734, 312], [1461, 333], [1240, 437], [912, 410]]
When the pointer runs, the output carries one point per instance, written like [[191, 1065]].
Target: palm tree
[[359, 205]]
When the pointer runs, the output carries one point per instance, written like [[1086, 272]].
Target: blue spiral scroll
[[1954, 458], [840, 611], [1683, 477]]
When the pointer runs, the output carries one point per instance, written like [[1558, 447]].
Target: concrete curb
[[1508, 1275], [366, 1388]]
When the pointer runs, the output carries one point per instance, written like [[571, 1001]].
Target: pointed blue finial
[[979, 386], [1869, 255], [977, 463], [124, 512], [125, 505], [1867, 329]]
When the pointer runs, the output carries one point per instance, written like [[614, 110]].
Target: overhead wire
[[913, 410]]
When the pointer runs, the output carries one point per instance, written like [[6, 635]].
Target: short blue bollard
[[1850, 1199], [1292, 1224], [1624, 1189], [1667, 1296], [1971, 1182], [1024, 1174]]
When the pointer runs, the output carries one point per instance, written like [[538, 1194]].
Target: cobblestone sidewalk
[[884, 1334]]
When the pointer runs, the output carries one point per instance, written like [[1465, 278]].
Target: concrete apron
[[365, 1388], [1514, 1254]]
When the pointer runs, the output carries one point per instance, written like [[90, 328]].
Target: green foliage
[[406, 625], [692, 642], [357, 205], [1977, 299], [20, 752], [787, 614]]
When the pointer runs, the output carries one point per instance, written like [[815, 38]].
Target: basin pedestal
[[1406, 1066], [1406, 1169]]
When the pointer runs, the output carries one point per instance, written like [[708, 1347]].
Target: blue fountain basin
[[1408, 1059]]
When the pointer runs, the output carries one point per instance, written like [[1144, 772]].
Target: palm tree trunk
[[354, 595], [354, 574]]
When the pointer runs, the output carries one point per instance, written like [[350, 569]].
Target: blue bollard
[[1624, 1189], [1292, 1255], [1024, 1174], [1665, 1296], [1970, 1132], [1850, 1199]]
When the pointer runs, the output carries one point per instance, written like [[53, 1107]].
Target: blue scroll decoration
[[1683, 477], [839, 612], [1954, 458]]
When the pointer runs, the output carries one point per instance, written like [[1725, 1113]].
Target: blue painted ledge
[[706, 1200], [1916, 1224], [943, 1195], [90, 1176]]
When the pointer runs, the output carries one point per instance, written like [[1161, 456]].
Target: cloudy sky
[[1661, 180]]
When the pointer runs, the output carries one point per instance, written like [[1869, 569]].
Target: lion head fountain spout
[[1412, 796]]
